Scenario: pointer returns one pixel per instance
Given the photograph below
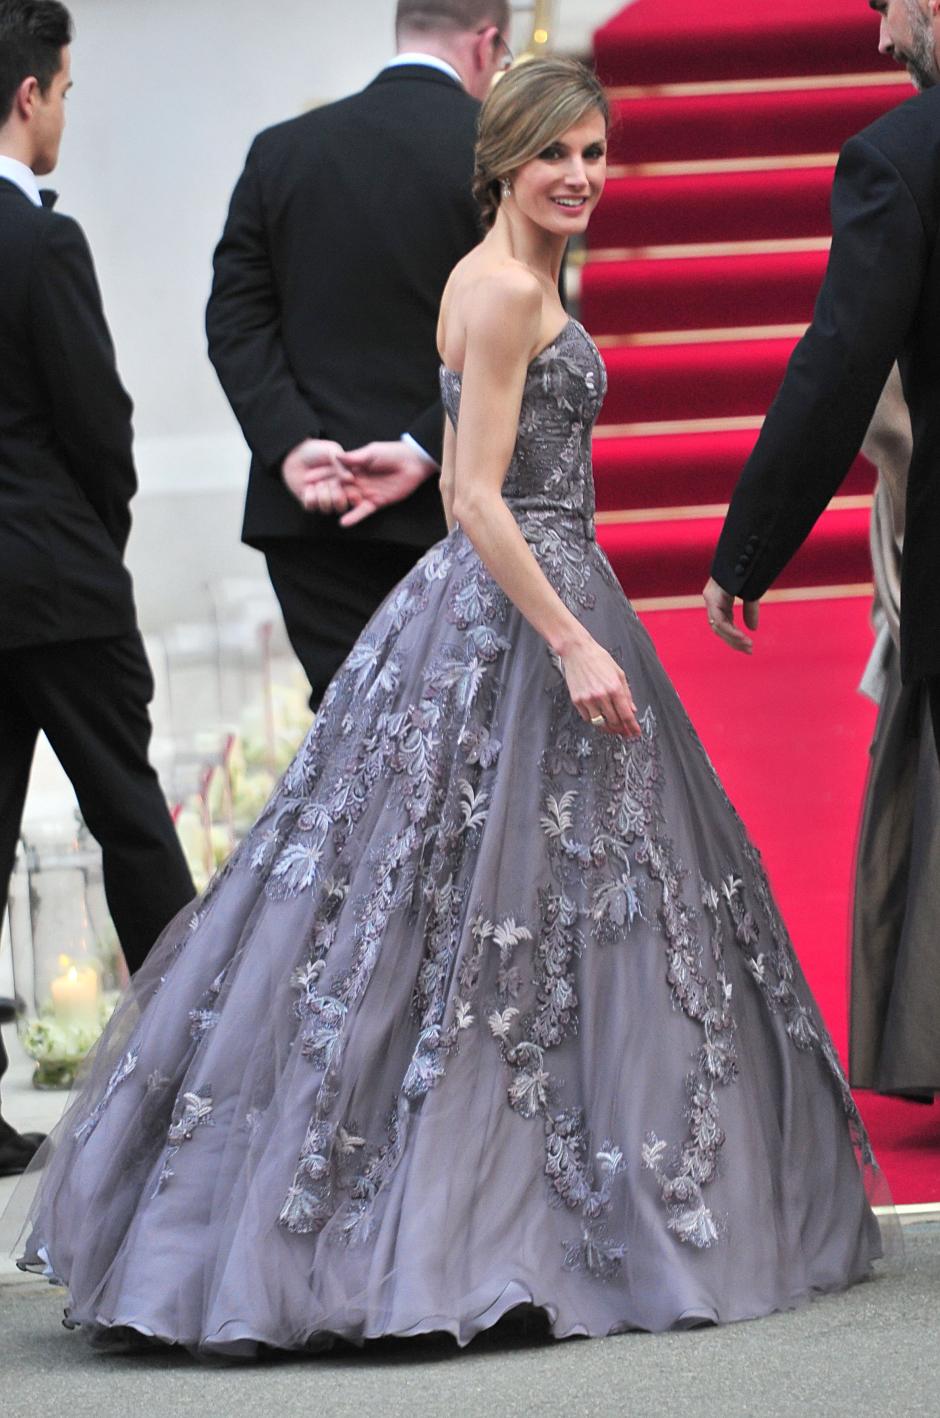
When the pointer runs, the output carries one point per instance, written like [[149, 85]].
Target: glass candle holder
[[67, 965]]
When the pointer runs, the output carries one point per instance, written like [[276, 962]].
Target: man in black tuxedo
[[342, 231], [880, 301], [71, 659]]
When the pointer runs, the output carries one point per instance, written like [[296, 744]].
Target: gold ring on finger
[[598, 719]]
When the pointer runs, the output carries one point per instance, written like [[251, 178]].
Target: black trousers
[[933, 694], [327, 591], [90, 697], [4, 1065]]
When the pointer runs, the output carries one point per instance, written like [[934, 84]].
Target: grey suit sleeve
[[243, 324], [816, 424], [91, 410]]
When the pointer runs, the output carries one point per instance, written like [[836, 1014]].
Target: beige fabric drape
[[894, 1042]]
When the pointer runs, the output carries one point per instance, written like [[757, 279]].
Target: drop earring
[[505, 187]]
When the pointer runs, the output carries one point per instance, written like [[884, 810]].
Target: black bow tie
[[47, 197]]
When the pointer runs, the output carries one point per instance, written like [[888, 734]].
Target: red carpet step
[[683, 469], [720, 379], [673, 558], [717, 220], [680, 127], [655, 43], [702, 292], [713, 206]]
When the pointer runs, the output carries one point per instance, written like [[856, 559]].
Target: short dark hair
[[429, 15], [33, 34]]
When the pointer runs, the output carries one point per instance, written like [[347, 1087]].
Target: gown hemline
[[514, 1294]]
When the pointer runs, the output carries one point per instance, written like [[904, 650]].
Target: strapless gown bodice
[[549, 480]]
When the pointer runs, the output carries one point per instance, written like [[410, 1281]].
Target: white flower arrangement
[[58, 1044], [244, 780]]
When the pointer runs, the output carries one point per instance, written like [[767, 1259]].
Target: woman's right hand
[[598, 687]]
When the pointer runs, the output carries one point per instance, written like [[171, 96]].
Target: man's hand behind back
[[382, 474], [313, 473], [354, 485]]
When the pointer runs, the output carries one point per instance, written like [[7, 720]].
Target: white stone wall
[[168, 95], [167, 98]]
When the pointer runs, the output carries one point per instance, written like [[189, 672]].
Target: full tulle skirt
[[489, 1009]]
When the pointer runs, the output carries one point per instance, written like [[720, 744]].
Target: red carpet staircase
[[704, 261], [705, 258]]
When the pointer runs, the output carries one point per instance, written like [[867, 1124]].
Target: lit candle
[[75, 991]]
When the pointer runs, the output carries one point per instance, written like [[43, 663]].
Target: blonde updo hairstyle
[[526, 110]]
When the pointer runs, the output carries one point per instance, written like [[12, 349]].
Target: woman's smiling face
[[560, 187]]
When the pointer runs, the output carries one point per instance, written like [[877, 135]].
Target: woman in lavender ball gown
[[493, 1007]]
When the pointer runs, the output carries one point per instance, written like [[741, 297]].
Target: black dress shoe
[[17, 1149]]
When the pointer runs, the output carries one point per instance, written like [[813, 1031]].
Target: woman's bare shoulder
[[507, 283], [504, 304], [496, 302]]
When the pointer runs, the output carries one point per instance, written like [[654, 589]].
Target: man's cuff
[[413, 443]]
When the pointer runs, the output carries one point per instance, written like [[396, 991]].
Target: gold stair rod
[[540, 33]]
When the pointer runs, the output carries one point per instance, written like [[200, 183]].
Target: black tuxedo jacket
[[66, 469], [342, 231], [880, 301]]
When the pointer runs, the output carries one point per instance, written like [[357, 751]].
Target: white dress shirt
[[22, 177], [432, 61]]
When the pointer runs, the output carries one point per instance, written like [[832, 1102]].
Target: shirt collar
[[431, 60], [22, 177]]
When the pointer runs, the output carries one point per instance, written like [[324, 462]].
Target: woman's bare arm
[[447, 473], [502, 335]]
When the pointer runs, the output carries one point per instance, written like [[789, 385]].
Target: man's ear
[[27, 97], [483, 44]]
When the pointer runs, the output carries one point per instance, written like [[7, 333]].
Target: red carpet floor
[[789, 735], [703, 266]]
